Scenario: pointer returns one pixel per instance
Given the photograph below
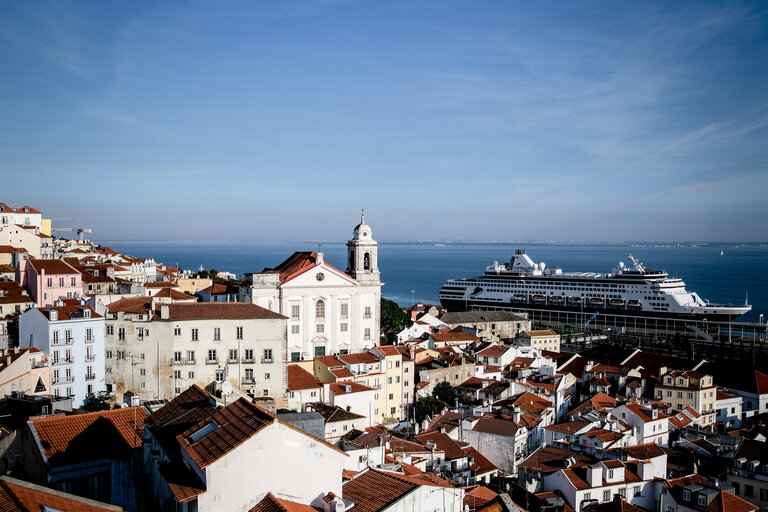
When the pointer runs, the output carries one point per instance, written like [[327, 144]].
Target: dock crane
[[79, 231]]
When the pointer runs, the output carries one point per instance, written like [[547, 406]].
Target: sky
[[459, 120]]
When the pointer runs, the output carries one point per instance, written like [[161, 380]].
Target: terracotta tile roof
[[220, 310], [549, 459], [6, 268], [19, 496], [494, 351], [131, 305], [614, 506], [481, 464], [296, 262], [225, 430], [160, 284], [605, 368], [173, 294], [643, 451], [67, 440], [495, 426], [448, 420], [388, 350], [355, 387], [724, 502], [638, 410], [182, 481], [329, 361], [540, 332], [761, 380], [12, 292], [722, 395], [597, 402], [272, 503], [69, 312], [334, 413], [570, 427], [453, 336], [190, 407], [299, 378], [374, 490], [532, 403], [220, 289], [341, 373], [7, 249], [53, 267], [359, 358], [444, 443]]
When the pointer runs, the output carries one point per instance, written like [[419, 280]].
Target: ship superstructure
[[630, 290]]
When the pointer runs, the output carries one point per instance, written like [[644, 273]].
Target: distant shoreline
[[452, 242]]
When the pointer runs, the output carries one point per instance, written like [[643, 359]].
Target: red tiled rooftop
[[17, 495], [53, 267], [299, 378], [220, 310], [271, 503]]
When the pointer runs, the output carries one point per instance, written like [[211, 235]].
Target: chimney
[[516, 414], [319, 259], [595, 476], [645, 470]]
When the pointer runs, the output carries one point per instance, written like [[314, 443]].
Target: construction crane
[[79, 231], [592, 318]]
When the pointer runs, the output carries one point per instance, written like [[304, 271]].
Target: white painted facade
[[653, 430], [277, 459], [329, 311], [360, 402], [75, 348]]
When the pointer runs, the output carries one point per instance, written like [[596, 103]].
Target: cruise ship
[[629, 290]]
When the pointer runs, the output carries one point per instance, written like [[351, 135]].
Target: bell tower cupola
[[362, 254]]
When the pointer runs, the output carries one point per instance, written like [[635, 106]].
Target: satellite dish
[[507, 487], [226, 388], [621, 264], [386, 445], [466, 508], [123, 405]]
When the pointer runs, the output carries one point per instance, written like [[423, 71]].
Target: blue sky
[[444, 120]]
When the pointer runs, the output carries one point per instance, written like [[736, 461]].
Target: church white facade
[[329, 311]]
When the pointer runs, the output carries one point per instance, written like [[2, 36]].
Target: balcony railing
[[267, 360], [231, 360], [90, 377], [248, 380], [90, 358], [190, 360], [212, 361], [175, 362], [247, 360]]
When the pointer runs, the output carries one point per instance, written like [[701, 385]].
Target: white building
[[649, 425], [728, 409], [72, 335], [158, 349], [329, 311]]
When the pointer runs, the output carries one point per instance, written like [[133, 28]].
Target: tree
[[427, 406], [393, 319], [95, 403], [444, 392]]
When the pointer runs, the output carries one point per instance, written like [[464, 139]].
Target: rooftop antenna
[[362, 216]]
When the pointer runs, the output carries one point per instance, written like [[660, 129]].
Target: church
[[329, 311]]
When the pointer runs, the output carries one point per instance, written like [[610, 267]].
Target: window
[[392, 411], [50, 282], [212, 356], [55, 357], [109, 354], [391, 396], [690, 395], [320, 328], [669, 394], [176, 374], [389, 380], [389, 366], [266, 376], [587, 496], [294, 329], [68, 377], [679, 394], [190, 375], [216, 333], [68, 335], [343, 327], [61, 281], [239, 333], [344, 309], [73, 281], [623, 493], [367, 333], [367, 313], [749, 491], [232, 355], [295, 312], [702, 500], [56, 336], [143, 372], [366, 261], [177, 331], [763, 494], [397, 379], [194, 335], [610, 474], [190, 356], [319, 351], [295, 356], [267, 355], [397, 364], [636, 491], [219, 375], [249, 375], [606, 495], [121, 333]]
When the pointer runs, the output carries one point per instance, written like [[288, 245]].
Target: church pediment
[[320, 276]]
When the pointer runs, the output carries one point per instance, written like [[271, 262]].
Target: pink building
[[48, 280]]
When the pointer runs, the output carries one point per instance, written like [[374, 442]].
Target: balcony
[[247, 360], [90, 358], [89, 340], [90, 377], [175, 362], [232, 360], [212, 361], [190, 361], [267, 360], [248, 380]]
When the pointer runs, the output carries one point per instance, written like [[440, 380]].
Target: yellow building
[[544, 339], [193, 285], [689, 389]]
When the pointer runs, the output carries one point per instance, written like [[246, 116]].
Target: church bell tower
[[362, 254]]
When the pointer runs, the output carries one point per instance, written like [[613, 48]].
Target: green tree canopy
[[95, 403], [393, 319], [427, 406], [444, 392]]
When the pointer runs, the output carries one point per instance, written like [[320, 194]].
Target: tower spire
[[362, 216]]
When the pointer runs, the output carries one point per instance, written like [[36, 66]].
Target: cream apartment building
[[683, 389]]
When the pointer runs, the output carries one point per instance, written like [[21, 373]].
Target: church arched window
[[320, 309], [367, 261]]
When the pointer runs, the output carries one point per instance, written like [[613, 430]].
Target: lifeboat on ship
[[595, 301], [634, 304], [538, 299], [556, 299], [617, 303], [520, 298], [574, 300]]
